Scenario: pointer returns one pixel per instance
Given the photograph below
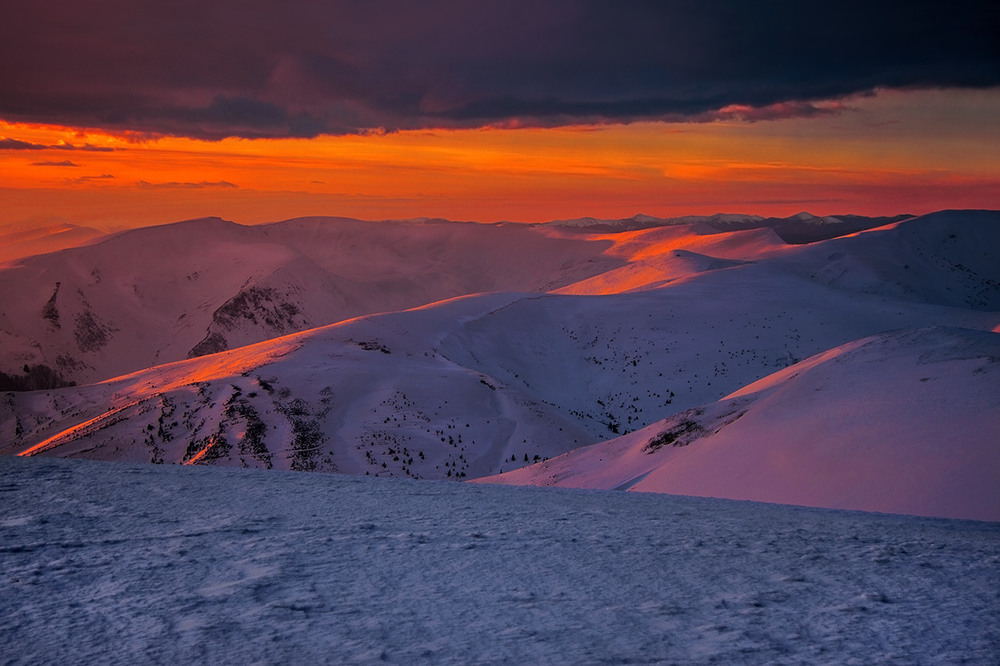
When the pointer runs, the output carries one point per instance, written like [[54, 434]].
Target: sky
[[121, 113]]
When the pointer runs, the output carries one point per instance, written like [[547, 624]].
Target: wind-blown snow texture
[[125, 564]]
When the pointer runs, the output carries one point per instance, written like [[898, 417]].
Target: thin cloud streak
[[173, 185], [91, 179]]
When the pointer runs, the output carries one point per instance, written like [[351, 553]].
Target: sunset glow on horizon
[[236, 121], [836, 164]]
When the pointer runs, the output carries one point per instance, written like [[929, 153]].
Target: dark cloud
[[777, 111], [85, 147], [64, 163], [270, 68], [15, 144]]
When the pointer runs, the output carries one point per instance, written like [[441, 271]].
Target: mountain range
[[139, 298], [693, 357]]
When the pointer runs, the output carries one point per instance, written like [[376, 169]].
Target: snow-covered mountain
[[156, 295], [162, 294], [487, 383], [903, 422]]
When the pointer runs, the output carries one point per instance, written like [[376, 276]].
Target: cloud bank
[[17, 144], [210, 70]]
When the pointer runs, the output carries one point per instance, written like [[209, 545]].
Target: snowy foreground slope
[[905, 422], [125, 564], [488, 383]]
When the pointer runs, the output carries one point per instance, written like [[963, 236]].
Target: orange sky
[[895, 152]]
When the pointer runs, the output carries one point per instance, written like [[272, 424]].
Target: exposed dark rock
[[258, 305], [307, 435], [685, 429], [374, 345], [49, 310], [213, 343], [90, 333], [35, 378]]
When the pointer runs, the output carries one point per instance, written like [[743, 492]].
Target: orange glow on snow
[[662, 254], [138, 387], [201, 454], [79, 430]]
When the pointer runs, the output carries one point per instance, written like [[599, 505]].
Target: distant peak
[[211, 219]]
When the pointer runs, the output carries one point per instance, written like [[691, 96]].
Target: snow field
[[123, 563]]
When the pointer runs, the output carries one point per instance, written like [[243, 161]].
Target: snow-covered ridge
[[642, 221], [799, 228], [25, 242]]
